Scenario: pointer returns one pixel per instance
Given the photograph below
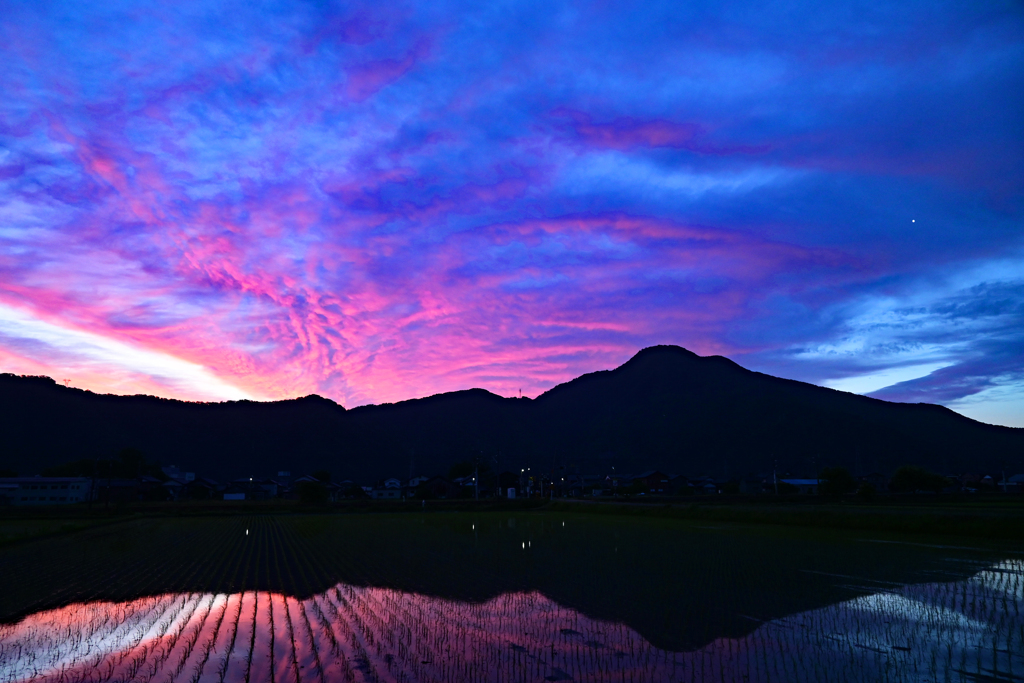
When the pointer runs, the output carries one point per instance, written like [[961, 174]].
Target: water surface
[[499, 597], [966, 630]]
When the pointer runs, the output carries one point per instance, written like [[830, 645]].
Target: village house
[[704, 485], [346, 489], [679, 485], [173, 472], [387, 489], [234, 492], [249, 488], [751, 485], [7, 492], [201, 488], [45, 490], [439, 487], [173, 488], [656, 482], [804, 486], [580, 484]]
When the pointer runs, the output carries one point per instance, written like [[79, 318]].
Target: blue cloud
[[320, 196]]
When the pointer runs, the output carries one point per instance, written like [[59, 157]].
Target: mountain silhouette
[[666, 408]]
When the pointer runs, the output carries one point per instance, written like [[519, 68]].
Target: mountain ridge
[[666, 408]]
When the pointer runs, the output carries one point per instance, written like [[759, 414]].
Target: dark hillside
[[669, 408], [44, 424], [665, 408], [429, 434]]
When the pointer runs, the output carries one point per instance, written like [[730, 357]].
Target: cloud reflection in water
[[965, 629]]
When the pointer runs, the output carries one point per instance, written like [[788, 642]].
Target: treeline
[[837, 481], [128, 463]]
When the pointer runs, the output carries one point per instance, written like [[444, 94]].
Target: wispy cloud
[[939, 341], [873, 381], [374, 203], [106, 363]]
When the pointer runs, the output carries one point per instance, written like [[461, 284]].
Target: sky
[[373, 202]]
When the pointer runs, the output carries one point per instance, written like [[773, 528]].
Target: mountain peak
[[666, 408], [664, 350], [666, 355]]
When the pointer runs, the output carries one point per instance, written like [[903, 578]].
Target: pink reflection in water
[[915, 633]]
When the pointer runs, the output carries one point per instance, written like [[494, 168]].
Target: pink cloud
[[266, 297], [499, 333], [627, 133], [369, 78]]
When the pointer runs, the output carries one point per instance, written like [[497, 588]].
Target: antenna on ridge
[[520, 393], [67, 383]]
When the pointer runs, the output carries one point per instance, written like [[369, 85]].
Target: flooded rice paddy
[[496, 598]]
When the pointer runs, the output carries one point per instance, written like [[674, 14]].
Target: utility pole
[[775, 475], [497, 475], [92, 486], [476, 478]]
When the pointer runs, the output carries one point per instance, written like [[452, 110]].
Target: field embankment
[[993, 517], [986, 518]]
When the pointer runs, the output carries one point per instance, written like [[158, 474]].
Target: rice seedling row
[[356, 630], [955, 631]]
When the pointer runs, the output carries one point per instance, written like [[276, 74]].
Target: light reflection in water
[[966, 630]]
